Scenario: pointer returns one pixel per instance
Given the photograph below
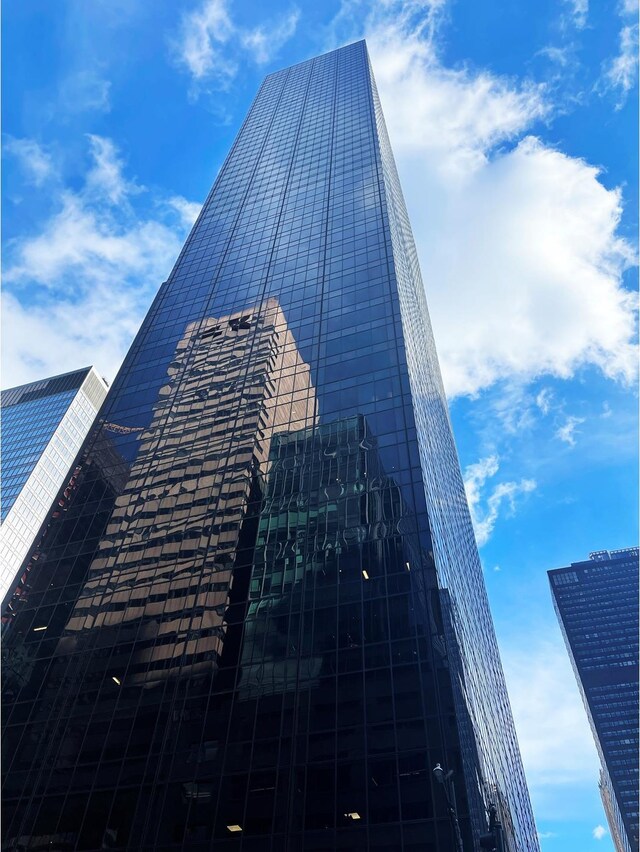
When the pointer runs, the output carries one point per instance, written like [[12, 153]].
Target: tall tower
[[261, 622], [597, 605], [44, 425]]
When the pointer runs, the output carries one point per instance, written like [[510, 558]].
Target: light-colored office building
[[43, 426]]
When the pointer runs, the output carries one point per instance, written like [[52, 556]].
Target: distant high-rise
[[261, 622], [44, 425], [597, 605]]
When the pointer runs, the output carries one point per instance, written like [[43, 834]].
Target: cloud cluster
[[75, 293], [579, 12], [567, 431], [519, 243], [621, 73], [485, 508], [105, 180], [543, 400], [210, 45], [449, 117], [264, 41], [35, 162], [599, 832]]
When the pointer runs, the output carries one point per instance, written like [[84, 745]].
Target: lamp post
[[446, 779]]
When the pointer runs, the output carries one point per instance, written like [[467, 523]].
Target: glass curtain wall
[[261, 621]]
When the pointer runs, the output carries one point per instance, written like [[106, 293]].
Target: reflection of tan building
[[166, 561]]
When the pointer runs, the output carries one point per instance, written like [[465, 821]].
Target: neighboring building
[[597, 605], [261, 620], [44, 425]]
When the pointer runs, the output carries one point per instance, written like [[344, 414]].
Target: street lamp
[[445, 779]]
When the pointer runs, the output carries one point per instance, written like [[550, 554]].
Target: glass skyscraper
[[597, 605], [44, 424], [262, 622]]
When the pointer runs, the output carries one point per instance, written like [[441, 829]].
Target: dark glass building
[[597, 605], [261, 621], [44, 424]]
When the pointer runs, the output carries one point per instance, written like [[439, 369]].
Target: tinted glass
[[262, 621], [597, 604]]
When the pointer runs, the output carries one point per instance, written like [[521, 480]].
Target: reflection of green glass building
[[330, 519], [331, 620], [261, 621]]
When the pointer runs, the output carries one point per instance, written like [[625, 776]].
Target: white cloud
[[34, 160], [81, 240], [485, 510], [599, 832], [580, 11], [567, 431], [188, 210], [60, 335], [105, 177], [210, 46], [476, 475], [263, 42], [553, 732], [505, 492], [546, 835], [203, 31], [77, 291], [452, 117], [621, 73], [523, 270], [512, 408], [543, 400], [562, 56], [83, 91], [518, 242]]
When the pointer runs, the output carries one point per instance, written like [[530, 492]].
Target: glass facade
[[262, 621], [44, 425], [597, 606]]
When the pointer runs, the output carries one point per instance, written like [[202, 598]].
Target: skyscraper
[[597, 605], [44, 424], [262, 621]]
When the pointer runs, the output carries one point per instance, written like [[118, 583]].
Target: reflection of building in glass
[[97, 477], [337, 551], [330, 518], [597, 604], [168, 555], [211, 665], [43, 426]]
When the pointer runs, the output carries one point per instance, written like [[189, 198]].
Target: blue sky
[[514, 125]]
